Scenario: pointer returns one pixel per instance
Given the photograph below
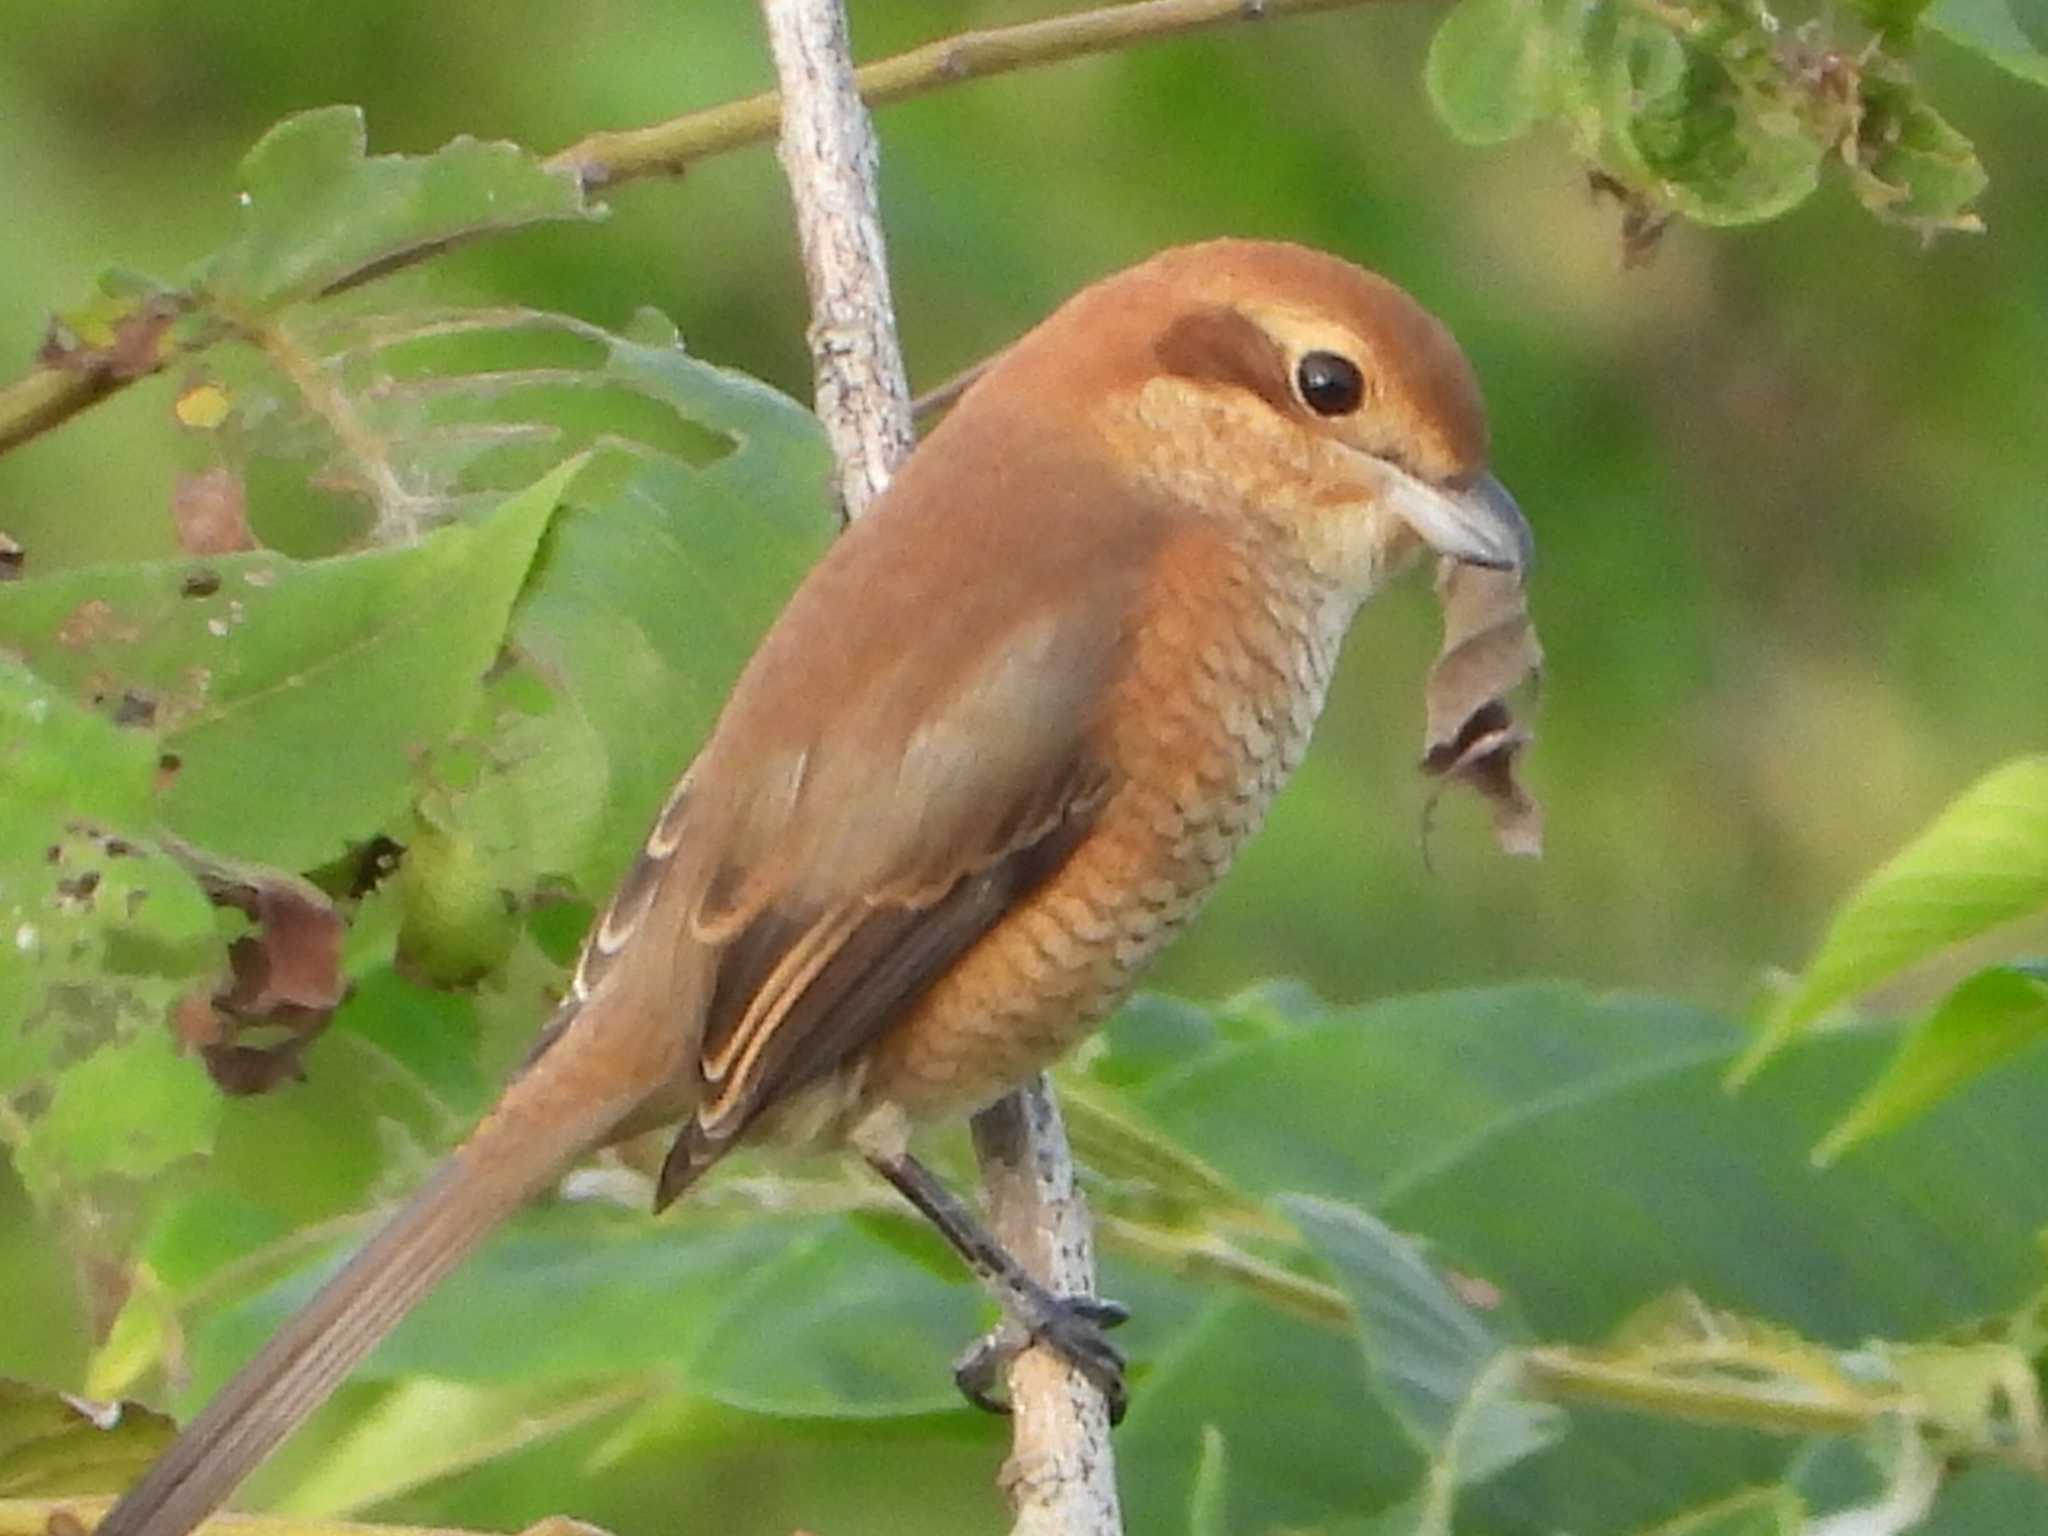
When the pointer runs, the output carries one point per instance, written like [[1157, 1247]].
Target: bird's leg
[[1072, 1326]]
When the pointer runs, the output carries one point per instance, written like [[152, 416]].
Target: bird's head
[[1285, 387]]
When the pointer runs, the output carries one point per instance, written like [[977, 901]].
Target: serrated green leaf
[[318, 213], [1434, 1357], [1491, 69], [1982, 863], [1988, 1019], [294, 697], [2012, 34]]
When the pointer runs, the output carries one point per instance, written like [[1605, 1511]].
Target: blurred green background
[[1788, 482]]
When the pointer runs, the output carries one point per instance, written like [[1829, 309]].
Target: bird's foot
[[1076, 1328]]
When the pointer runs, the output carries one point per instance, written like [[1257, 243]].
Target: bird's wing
[[843, 901], [874, 800]]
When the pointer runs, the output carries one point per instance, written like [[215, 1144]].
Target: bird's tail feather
[[510, 1157]]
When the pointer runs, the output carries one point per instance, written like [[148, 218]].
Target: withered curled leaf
[[284, 978], [1471, 736]]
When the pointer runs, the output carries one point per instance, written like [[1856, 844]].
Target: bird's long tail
[[526, 1141]]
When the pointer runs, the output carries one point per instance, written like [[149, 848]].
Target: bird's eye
[[1331, 385]]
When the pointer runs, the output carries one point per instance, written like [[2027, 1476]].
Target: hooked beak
[[1478, 523]]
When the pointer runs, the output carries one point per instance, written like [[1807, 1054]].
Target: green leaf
[[1209, 1498], [318, 214], [1907, 164], [1438, 1362], [1894, 19], [51, 1446], [2012, 34], [1701, 121], [650, 600], [426, 1430], [102, 934], [1989, 1019], [168, 1112], [1982, 863], [1579, 1155], [59, 760], [859, 1333], [1149, 1170], [294, 698], [1491, 71], [704, 502]]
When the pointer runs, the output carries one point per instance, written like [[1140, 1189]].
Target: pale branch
[[50, 394], [828, 153], [1060, 1477]]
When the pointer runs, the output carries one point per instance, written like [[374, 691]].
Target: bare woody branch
[[1060, 1477], [828, 153]]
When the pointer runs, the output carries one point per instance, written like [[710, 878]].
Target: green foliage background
[[1787, 480], [1788, 487]]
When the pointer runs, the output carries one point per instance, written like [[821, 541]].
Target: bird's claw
[[1074, 1327]]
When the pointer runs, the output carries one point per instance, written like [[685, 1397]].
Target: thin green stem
[[1562, 1377]]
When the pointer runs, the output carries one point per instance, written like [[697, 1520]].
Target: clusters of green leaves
[[1847, 1332], [1723, 111], [572, 540]]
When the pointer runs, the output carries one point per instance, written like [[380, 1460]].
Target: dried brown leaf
[[1471, 736], [284, 978]]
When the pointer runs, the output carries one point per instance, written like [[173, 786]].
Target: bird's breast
[[1229, 656]]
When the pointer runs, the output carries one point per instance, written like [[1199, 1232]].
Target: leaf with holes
[[103, 934], [318, 213], [291, 700]]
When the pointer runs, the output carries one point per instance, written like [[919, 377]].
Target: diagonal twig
[[1061, 1477]]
